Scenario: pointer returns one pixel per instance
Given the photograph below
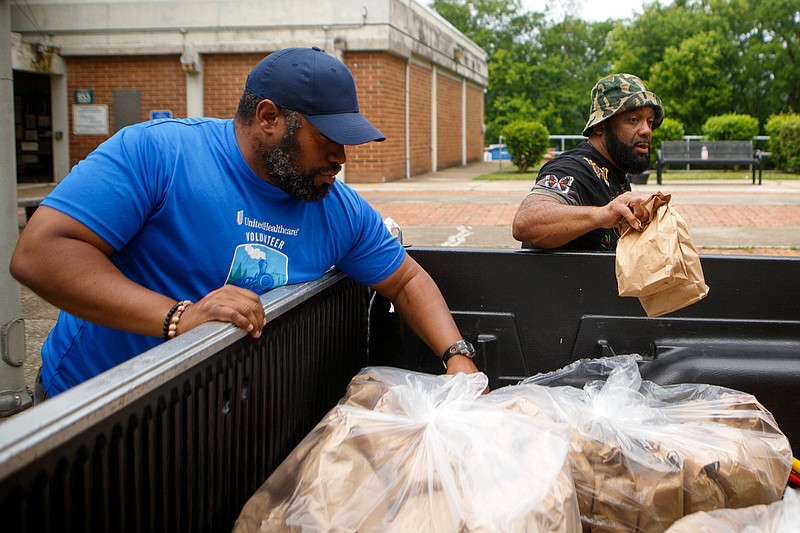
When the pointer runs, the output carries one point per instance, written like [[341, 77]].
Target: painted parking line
[[459, 238]]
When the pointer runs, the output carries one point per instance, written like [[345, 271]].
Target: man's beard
[[625, 155], [279, 164]]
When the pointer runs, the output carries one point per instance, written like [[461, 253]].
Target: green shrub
[[773, 129], [670, 130], [527, 141], [730, 127], [790, 145]]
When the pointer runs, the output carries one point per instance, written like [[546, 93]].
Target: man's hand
[[229, 303], [628, 205], [461, 363]]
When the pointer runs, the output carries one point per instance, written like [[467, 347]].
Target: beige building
[[84, 69]]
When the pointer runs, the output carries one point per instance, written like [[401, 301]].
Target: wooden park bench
[[698, 152]]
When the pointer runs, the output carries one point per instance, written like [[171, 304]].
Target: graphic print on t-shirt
[[557, 184], [600, 172], [258, 268]]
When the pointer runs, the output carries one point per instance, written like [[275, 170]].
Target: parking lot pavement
[[452, 208]]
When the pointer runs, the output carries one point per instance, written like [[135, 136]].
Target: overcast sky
[[590, 10]]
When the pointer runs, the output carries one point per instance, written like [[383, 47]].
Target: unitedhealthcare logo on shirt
[[265, 226]]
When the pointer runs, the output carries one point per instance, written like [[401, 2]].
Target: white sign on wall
[[90, 119]]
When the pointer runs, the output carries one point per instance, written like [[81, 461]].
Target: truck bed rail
[[178, 438]]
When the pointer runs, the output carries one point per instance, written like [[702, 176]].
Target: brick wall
[[421, 137], [160, 80], [380, 82], [475, 140], [448, 121], [224, 76]]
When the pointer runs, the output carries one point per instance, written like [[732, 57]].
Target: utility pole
[[14, 395]]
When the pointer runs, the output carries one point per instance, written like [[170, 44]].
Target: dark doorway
[[32, 126]]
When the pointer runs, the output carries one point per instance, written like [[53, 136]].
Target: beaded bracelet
[[170, 329]]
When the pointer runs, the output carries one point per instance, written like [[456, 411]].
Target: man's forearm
[[97, 292], [78, 277], [549, 224], [425, 311], [418, 300]]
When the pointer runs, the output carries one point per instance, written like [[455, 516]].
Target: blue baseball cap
[[318, 86]]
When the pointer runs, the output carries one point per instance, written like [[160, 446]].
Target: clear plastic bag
[[405, 451], [778, 517], [645, 455]]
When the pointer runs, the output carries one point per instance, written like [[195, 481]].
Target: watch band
[[461, 347]]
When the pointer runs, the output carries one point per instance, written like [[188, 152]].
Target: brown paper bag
[[660, 264], [650, 261]]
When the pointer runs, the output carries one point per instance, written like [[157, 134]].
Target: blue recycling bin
[[494, 152]]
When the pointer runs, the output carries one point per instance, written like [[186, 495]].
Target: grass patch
[[509, 173], [743, 174]]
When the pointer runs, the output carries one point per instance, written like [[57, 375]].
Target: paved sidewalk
[[451, 208]]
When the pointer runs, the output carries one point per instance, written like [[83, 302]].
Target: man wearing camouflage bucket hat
[[580, 197]]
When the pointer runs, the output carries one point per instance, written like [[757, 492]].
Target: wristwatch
[[461, 347]]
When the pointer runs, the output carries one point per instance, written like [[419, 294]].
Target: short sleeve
[[116, 188]]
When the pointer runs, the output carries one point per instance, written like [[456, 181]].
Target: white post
[[192, 65], [60, 116], [14, 395]]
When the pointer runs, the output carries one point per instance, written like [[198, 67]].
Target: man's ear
[[599, 129], [267, 115]]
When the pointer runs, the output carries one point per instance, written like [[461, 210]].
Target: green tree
[[689, 82], [574, 57], [492, 24], [506, 109], [526, 141], [778, 22], [760, 40], [637, 46], [702, 57]]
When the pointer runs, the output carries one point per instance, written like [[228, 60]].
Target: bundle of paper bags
[[659, 264], [778, 517], [644, 455], [404, 451], [409, 452]]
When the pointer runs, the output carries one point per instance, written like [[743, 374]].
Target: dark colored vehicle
[[180, 437]]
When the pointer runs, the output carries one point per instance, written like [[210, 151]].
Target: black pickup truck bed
[[180, 437]]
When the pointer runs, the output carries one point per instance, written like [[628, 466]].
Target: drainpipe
[[408, 118], [192, 66], [463, 121], [14, 395], [434, 124]]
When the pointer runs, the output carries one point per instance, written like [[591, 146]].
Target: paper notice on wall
[[90, 119]]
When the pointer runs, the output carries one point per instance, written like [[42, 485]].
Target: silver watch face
[[463, 348]]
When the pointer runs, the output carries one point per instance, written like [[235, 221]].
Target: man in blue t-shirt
[[173, 223]]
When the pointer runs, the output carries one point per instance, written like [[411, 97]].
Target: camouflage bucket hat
[[618, 93]]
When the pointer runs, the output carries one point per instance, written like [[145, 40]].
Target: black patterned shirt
[[582, 176]]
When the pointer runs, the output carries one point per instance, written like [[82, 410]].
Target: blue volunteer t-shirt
[[186, 215]]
